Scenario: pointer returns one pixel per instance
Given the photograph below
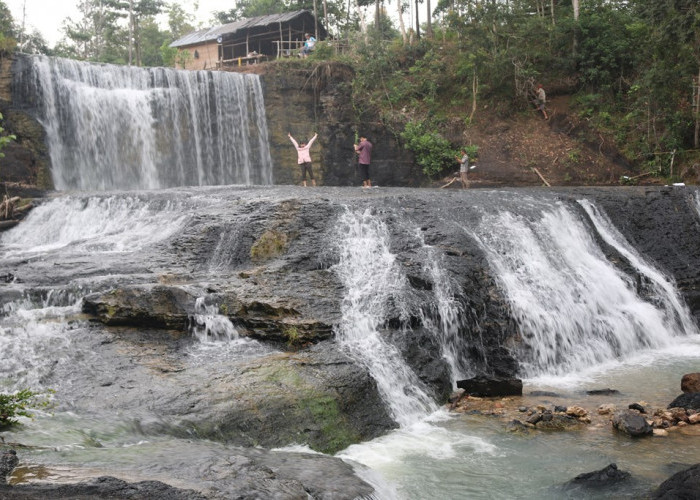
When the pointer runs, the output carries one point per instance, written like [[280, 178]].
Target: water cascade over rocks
[[117, 127], [199, 320], [574, 307]]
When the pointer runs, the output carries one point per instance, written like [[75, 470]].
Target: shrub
[[18, 405], [433, 153]]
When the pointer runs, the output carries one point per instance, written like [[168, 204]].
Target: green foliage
[[4, 139], [433, 152], [19, 404]]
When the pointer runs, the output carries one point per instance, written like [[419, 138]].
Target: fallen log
[[8, 224]]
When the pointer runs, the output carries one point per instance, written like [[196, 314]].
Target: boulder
[[600, 478], [603, 392], [8, 461], [491, 387], [689, 401], [690, 382], [682, 485], [632, 424], [103, 487]]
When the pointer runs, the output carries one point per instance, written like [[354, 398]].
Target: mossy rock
[[271, 244]]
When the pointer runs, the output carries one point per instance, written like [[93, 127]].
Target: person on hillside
[[304, 158], [308, 45], [463, 169], [364, 149], [541, 100]]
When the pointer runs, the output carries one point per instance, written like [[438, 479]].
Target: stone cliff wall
[[304, 99], [299, 98], [26, 159]]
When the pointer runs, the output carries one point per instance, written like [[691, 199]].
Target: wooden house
[[249, 41]]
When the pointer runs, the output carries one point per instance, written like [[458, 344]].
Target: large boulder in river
[[690, 382], [491, 387], [602, 478], [689, 401], [681, 486], [632, 424]]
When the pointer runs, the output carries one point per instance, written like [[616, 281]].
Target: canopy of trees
[[632, 67]]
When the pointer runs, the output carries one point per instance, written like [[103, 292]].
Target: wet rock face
[[684, 484], [632, 424], [26, 158], [304, 100]]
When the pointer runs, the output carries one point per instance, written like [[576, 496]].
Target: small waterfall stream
[[374, 282], [575, 309], [116, 127]]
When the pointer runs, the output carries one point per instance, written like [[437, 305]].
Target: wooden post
[[541, 177], [279, 45]]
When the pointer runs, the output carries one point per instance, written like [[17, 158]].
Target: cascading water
[[209, 325], [95, 224], [116, 127], [574, 308], [445, 315], [662, 291], [374, 281]]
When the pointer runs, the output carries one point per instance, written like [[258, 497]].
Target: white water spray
[[117, 127], [373, 281], [95, 225], [574, 308], [209, 325]]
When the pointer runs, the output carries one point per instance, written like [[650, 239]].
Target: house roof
[[230, 29]]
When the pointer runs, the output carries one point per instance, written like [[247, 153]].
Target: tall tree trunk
[[402, 26], [697, 111], [131, 30], [417, 22], [377, 17], [315, 21], [361, 17], [325, 15], [429, 24], [574, 3], [551, 7]]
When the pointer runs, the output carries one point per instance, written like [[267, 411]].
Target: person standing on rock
[[463, 169], [364, 149], [304, 158]]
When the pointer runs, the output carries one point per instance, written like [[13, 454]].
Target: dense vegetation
[[631, 66]]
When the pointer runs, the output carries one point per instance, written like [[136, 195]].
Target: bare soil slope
[[562, 149]]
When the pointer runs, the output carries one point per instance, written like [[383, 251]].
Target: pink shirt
[[365, 150], [303, 155]]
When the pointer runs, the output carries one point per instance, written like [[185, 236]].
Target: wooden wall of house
[[207, 56]]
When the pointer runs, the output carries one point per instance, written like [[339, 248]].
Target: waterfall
[[575, 309], [95, 224], [445, 315], [209, 325], [374, 283], [117, 127]]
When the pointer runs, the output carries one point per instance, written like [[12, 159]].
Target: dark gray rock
[[603, 392], [488, 387], [8, 461], [602, 478], [638, 407], [101, 487], [684, 485], [689, 401], [632, 424]]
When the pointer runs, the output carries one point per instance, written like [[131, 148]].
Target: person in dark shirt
[[364, 149]]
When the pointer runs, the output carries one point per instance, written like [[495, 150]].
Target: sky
[[47, 15]]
